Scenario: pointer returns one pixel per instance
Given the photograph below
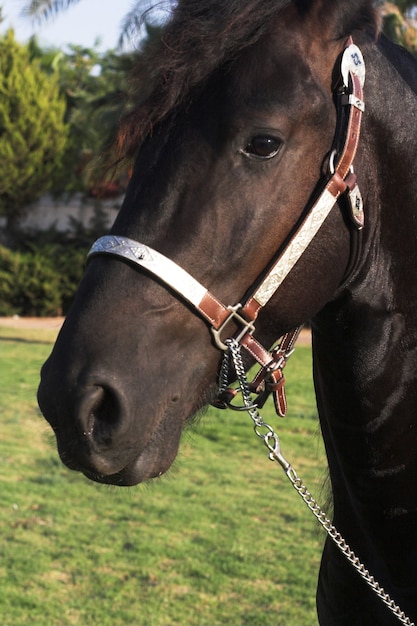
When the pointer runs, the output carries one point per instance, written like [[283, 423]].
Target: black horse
[[241, 135]]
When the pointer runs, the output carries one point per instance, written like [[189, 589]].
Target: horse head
[[223, 175]]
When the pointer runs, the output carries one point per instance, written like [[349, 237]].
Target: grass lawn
[[222, 539]]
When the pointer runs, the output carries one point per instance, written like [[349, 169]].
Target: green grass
[[222, 539]]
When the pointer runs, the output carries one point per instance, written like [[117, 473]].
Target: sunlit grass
[[222, 539]]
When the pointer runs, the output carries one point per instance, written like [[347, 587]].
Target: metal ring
[[332, 168], [331, 162], [234, 407]]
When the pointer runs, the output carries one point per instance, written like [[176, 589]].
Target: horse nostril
[[99, 415]]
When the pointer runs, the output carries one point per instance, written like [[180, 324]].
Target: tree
[[399, 23], [98, 90], [33, 133], [94, 86]]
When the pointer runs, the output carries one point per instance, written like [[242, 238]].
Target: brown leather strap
[[270, 378], [353, 131], [213, 310]]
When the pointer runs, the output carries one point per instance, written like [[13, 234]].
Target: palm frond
[[43, 9], [142, 15]]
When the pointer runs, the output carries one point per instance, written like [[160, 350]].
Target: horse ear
[[340, 18]]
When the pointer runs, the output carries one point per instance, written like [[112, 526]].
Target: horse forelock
[[204, 35]]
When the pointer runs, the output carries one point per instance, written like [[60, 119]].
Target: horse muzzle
[[95, 430]]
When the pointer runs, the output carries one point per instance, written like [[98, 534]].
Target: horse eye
[[263, 147]]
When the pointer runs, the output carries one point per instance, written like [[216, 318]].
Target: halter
[[341, 183]]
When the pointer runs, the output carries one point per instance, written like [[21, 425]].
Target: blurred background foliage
[[399, 23], [59, 114]]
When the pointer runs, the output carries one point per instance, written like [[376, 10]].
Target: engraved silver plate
[[155, 262], [352, 61], [295, 248], [121, 246], [356, 206]]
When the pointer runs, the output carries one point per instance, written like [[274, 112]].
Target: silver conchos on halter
[[151, 260], [120, 246], [352, 62], [356, 206]]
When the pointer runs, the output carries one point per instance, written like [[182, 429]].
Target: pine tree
[[32, 128]]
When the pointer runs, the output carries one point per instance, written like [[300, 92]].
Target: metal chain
[[271, 440]]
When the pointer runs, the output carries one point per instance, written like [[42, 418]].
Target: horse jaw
[[118, 418]]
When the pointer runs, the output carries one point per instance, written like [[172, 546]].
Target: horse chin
[[125, 467], [133, 474], [151, 463]]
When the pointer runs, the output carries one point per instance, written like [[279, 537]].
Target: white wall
[[49, 212]]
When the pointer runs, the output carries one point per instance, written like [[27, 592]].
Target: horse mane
[[201, 36]]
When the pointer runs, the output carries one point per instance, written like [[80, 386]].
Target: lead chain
[[265, 432]]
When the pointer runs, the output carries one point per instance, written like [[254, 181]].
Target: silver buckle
[[248, 327]]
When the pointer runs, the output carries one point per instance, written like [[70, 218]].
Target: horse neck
[[365, 361], [384, 282], [371, 326]]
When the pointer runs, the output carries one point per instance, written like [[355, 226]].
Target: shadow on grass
[[44, 342]]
